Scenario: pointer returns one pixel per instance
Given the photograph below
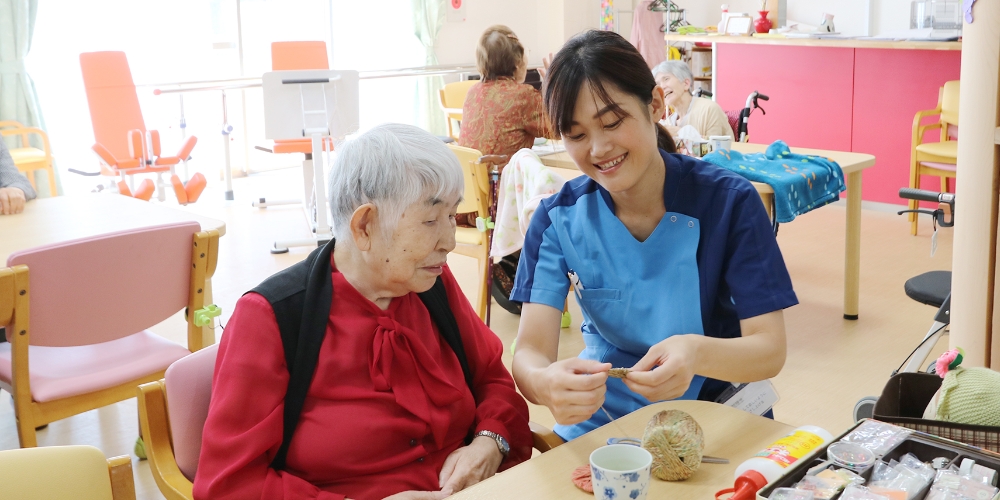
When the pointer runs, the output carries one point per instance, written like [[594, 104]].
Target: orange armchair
[[123, 145], [935, 158]]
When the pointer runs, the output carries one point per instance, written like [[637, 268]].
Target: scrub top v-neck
[[711, 261]]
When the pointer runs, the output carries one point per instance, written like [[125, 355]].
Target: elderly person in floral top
[[502, 114]]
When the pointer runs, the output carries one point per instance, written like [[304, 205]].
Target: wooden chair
[[60, 472], [29, 159], [72, 311], [122, 143], [478, 198], [452, 98], [172, 430], [935, 158]]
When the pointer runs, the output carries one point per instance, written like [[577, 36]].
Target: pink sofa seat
[[61, 372]]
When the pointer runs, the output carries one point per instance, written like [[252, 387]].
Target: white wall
[[849, 15], [542, 25]]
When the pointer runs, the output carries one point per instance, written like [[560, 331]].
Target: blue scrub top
[[711, 262]]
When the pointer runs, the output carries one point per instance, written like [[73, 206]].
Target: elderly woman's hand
[[12, 201], [470, 464], [418, 495], [544, 70]]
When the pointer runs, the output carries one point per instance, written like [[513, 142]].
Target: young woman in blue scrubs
[[673, 260]]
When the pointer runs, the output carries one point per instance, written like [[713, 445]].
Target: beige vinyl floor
[[831, 362]]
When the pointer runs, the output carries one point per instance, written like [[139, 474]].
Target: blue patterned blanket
[[800, 182]]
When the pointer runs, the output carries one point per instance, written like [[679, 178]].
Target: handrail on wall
[[245, 83]]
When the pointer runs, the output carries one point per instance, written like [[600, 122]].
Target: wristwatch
[[501, 442]]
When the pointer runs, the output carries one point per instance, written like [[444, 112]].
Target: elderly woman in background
[[502, 114], [675, 78], [390, 410]]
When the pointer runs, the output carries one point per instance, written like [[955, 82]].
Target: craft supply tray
[[924, 446]]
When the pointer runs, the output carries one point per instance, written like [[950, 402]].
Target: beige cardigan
[[708, 118]]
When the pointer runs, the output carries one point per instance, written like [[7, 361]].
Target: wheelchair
[[932, 288]]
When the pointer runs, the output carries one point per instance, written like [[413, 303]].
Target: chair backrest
[[107, 287], [114, 105], [288, 56], [453, 94], [477, 183], [56, 473], [949, 102], [188, 384]]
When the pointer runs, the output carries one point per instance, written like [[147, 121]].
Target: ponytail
[[663, 139]]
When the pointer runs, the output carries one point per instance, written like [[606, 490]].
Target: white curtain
[[428, 17], [18, 100]]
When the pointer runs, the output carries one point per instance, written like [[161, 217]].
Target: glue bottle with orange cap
[[771, 462]]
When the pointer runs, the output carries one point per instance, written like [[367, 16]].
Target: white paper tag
[[934, 242], [755, 397]]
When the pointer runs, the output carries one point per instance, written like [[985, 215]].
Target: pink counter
[[840, 96]]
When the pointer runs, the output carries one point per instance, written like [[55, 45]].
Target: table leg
[[852, 251]]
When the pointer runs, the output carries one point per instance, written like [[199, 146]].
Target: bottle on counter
[[725, 17]]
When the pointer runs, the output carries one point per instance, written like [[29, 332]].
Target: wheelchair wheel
[[864, 408]]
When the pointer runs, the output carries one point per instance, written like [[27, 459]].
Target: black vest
[[300, 296]]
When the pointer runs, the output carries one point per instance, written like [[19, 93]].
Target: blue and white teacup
[[620, 472]]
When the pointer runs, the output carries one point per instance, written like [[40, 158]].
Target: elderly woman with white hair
[[406, 396], [675, 78]]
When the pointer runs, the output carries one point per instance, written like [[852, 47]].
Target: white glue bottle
[[776, 459]]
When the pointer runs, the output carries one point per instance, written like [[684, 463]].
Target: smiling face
[[673, 88], [412, 258], [618, 150]]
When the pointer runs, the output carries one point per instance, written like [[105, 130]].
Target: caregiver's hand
[[666, 370], [574, 388]]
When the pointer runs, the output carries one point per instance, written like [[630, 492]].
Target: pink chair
[[75, 307], [172, 432]]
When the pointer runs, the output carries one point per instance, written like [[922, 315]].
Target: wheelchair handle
[[763, 97], [925, 195]]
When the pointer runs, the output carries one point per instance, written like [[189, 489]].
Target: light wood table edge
[[729, 433]]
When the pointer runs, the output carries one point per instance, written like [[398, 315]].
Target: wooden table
[[63, 218], [853, 165], [729, 433]]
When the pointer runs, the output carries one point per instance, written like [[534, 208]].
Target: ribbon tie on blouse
[[401, 363]]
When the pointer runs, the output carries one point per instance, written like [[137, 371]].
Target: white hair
[[678, 69], [391, 166]]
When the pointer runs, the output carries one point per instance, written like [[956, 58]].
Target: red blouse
[[387, 405], [502, 116]]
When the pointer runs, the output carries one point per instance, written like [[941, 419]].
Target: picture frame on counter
[[741, 25]]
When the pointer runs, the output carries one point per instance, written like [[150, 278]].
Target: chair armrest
[[24, 132], [542, 439], [918, 134], [918, 117], [155, 430], [122, 481]]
